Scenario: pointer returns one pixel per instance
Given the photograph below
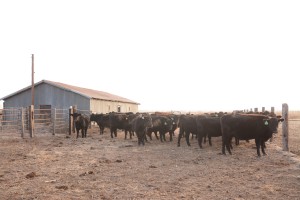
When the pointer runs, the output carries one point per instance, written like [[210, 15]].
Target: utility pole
[[31, 108], [32, 80]]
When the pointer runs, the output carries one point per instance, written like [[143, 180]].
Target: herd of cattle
[[241, 126]]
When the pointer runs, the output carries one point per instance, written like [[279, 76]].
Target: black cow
[[187, 125], [117, 121], [128, 124], [81, 123], [208, 127], [246, 127], [121, 121], [102, 120], [140, 124], [161, 124]]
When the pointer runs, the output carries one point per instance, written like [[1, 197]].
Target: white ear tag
[[165, 123], [266, 123], [143, 117]]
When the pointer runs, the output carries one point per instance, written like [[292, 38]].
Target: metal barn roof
[[79, 90]]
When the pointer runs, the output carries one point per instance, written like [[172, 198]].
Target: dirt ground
[[98, 167]]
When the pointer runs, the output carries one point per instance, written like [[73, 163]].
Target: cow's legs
[[77, 133], [257, 143], [209, 140], [200, 141], [263, 146], [187, 138], [179, 137], [228, 144], [156, 135], [162, 136], [171, 136]]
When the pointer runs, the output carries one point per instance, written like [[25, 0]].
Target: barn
[[49, 94]]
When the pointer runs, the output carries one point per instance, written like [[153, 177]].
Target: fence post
[[54, 120], [74, 111], [90, 123], [263, 109], [31, 120], [272, 110], [256, 110], [285, 127], [22, 122], [70, 120]]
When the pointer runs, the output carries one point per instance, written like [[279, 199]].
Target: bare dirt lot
[[98, 167]]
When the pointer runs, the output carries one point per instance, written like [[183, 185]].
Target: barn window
[[119, 108]]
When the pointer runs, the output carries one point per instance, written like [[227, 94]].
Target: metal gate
[[16, 121]]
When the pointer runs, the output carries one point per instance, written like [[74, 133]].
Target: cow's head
[[93, 117], [272, 123], [147, 120], [168, 123], [75, 115]]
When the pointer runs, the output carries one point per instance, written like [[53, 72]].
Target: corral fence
[[30, 121], [27, 121], [14, 120]]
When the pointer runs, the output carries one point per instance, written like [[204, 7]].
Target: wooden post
[[70, 120], [263, 109], [54, 121], [22, 122], [272, 110], [90, 123], [285, 127], [74, 111], [255, 109], [31, 120], [32, 80]]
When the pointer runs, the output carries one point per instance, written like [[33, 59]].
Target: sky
[[167, 55]]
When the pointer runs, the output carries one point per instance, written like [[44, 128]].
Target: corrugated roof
[[82, 91]]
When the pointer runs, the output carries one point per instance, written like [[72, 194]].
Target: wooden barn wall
[[46, 94], [102, 106]]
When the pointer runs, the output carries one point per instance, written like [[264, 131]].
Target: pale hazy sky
[[166, 55]]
